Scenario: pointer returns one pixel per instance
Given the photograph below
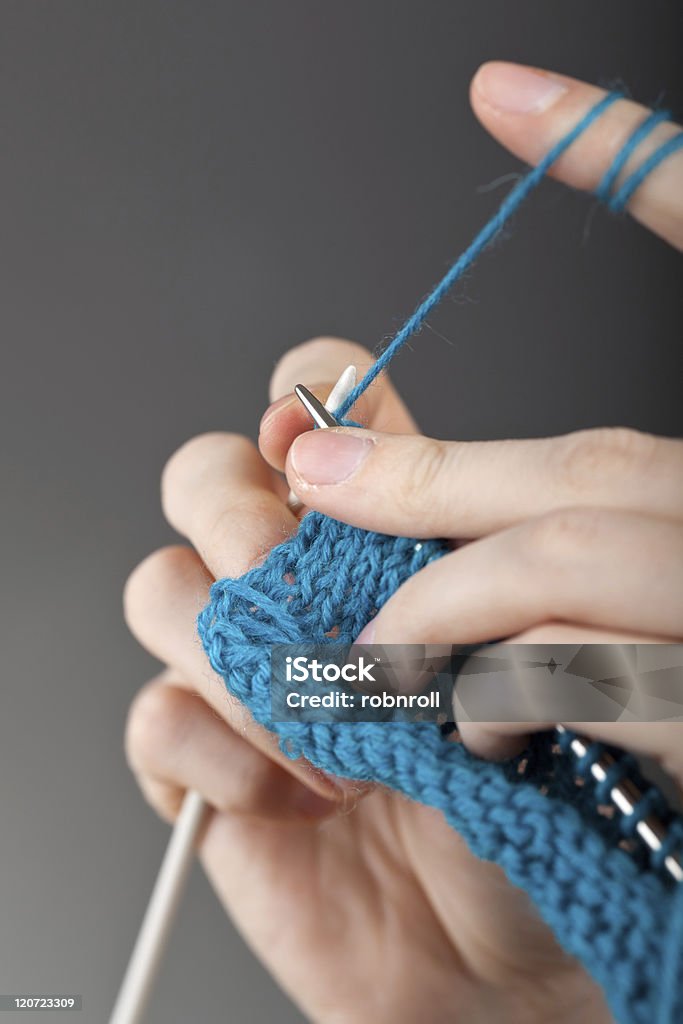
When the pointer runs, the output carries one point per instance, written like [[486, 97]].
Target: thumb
[[414, 486], [391, 483]]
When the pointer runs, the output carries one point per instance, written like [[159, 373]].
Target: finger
[[415, 486], [498, 741], [612, 569], [218, 492], [318, 364], [162, 599], [663, 741], [529, 110], [165, 798], [175, 742]]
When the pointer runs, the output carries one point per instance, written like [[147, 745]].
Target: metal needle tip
[[315, 408]]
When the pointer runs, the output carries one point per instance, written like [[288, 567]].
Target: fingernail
[[275, 407], [328, 457], [515, 89], [367, 633]]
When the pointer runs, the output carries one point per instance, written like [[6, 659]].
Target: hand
[[380, 912], [364, 906], [576, 538]]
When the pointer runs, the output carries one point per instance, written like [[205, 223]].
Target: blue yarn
[[604, 189], [616, 914], [621, 197], [328, 581]]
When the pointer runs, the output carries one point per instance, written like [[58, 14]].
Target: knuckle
[[148, 579], [561, 535], [156, 722], [424, 480], [585, 458]]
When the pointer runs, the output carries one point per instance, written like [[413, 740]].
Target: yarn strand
[[604, 189], [619, 201], [524, 187]]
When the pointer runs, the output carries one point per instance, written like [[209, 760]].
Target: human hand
[[363, 905], [577, 538], [380, 912]]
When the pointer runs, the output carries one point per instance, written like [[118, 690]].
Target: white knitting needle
[[156, 926], [155, 930]]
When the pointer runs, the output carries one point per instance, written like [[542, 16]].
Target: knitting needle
[[155, 929], [316, 410], [625, 795], [339, 393]]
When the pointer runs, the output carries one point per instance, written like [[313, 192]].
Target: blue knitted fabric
[[608, 907]]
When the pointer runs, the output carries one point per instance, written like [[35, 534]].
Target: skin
[[363, 906]]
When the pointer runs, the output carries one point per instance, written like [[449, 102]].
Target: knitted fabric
[[607, 906]]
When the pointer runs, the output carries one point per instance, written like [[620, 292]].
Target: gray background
[[187, 189]]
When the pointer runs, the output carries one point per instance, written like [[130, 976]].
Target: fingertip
[[327, 458], [515, 89], [484, 740], [281, 424], [477, 89], [277, 430], [272, 413], [477, 101]]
